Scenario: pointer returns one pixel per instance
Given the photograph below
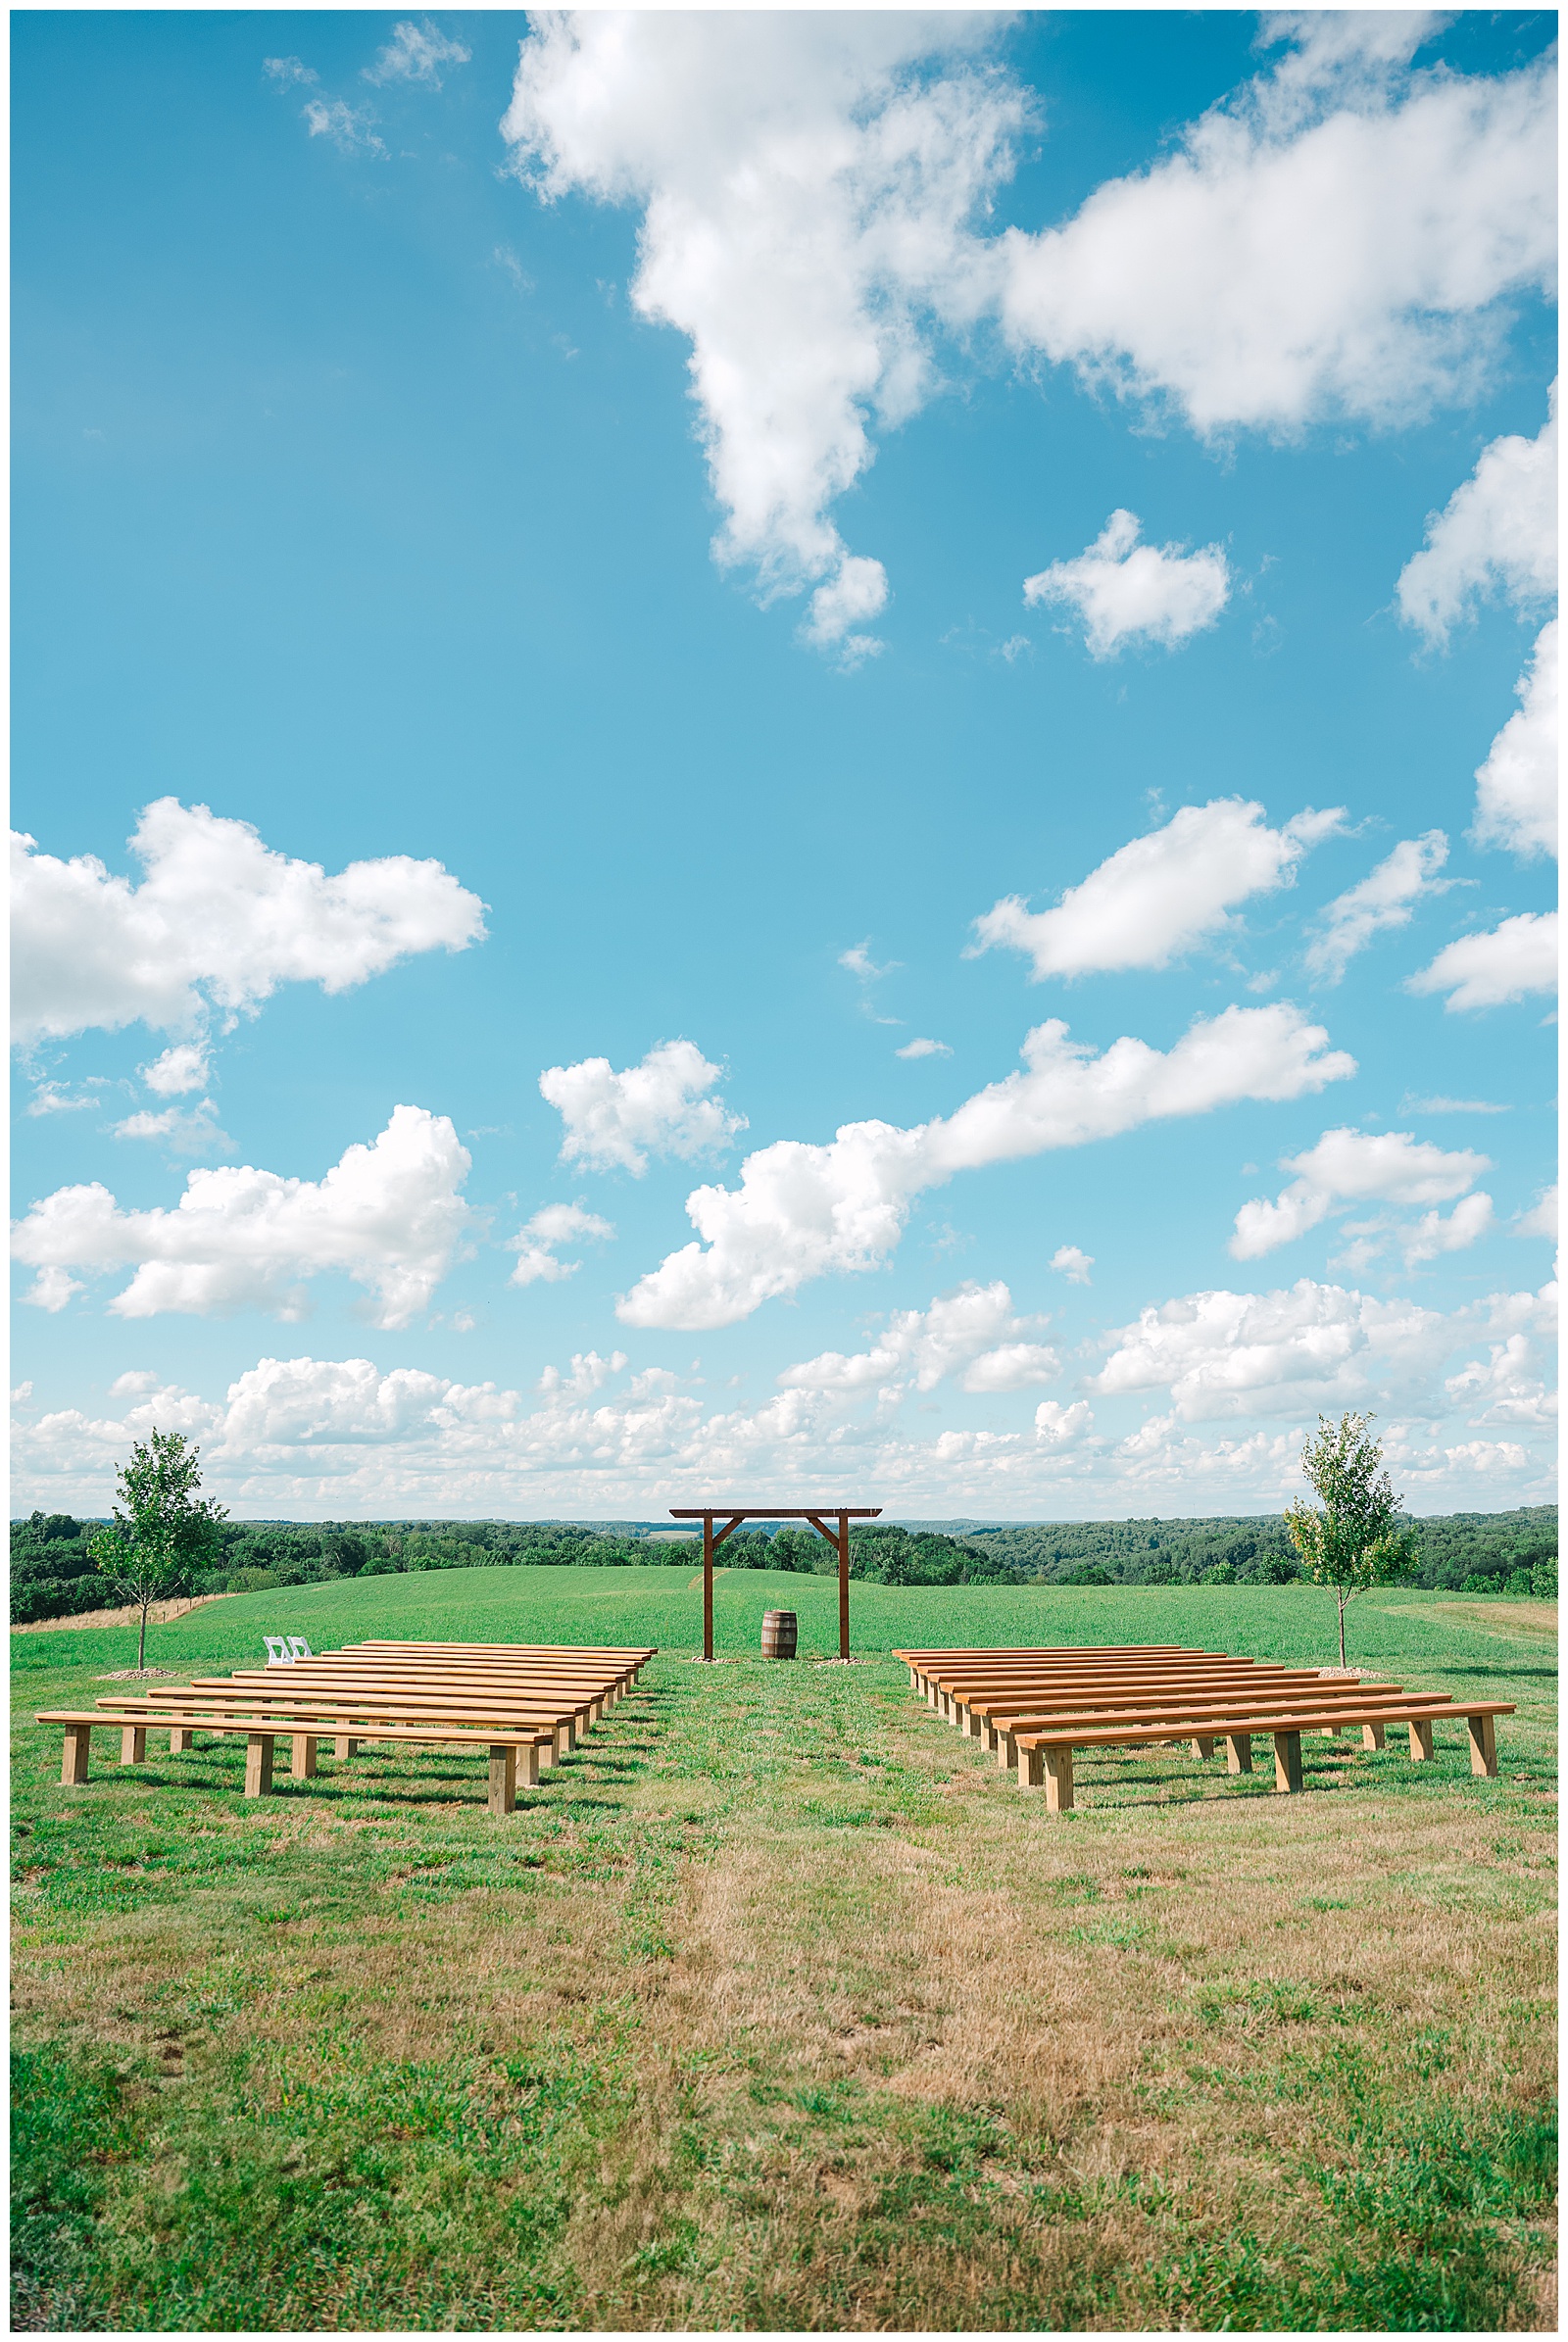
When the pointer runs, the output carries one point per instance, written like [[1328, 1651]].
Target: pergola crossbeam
[[817, 1515]]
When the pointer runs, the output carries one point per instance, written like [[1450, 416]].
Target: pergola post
[[844, 1586], [708, 1586]]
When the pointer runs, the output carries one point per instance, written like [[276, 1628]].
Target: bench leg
[[1371, 1735], [1202, 1749], [343, 1749], [1483, 1745], [1238, 1752], [259, 1765], [301, 1760], [1421, 1740], [1007, 1752], [1059, 1779], [547, 1754], [1286, 1762], [74, 1767], [133, 1744], [180, 1738], [568, 1734], [528, 1766], [1031, 1768], [503, 1779]]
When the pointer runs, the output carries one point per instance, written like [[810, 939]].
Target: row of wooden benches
[[1034, 1707], [525, 1704]]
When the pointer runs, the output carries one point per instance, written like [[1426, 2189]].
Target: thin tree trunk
[[1341, 1633], [141, 1647]]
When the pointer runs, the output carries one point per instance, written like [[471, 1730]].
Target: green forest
[[53, 1575]]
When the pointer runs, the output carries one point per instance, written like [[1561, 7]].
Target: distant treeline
[[52, 1574], [1476, 1552]]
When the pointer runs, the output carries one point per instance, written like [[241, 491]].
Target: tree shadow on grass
[[1544, 1674]]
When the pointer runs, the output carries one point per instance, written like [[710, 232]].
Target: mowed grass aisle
[[777, 2006]]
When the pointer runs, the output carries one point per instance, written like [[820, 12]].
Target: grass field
[[777, 2006]]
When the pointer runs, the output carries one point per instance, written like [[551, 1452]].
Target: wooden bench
[[1044, 1757], [509, 1752], [1036, 1707], [558, 1730]]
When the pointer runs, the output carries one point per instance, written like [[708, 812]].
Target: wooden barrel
[[778, 1633]]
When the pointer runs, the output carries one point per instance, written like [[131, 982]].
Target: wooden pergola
[[732, 1515]]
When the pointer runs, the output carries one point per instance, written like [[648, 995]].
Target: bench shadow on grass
[[1220, 1789], [432, 1786]]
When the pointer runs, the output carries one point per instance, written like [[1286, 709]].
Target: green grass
[[777, 2006]]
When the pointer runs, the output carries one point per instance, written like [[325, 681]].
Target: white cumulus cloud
[[1505, 1386], [308, 1402], [1062, 1427], [961, 1330], [537, 1241], [180, 1070], [854, 594], [1353, 1166], [1498, 534], [1125, 592], [1516, 788], [389, 1215], [803, 1211], [1069, 1263], [1506, 963], [808, 201], [1159, 895], [1433, 1235], [921, 1048], [1236, 279], [587, 1373], [219, 921], [615, 1121], [1316, 1347], [1013, 1366], [1542, 1217], [1386, 898]]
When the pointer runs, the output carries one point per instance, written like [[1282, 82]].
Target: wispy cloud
[[416, 53], [349, 127]]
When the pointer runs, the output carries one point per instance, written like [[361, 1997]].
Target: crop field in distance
[[777, 2005]]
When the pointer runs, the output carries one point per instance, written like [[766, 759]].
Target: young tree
[[161, 1530], [1359, 1539]]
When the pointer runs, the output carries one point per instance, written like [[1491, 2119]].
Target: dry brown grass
[[128, 1615]]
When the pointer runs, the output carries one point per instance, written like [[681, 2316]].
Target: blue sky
[[758, 542]]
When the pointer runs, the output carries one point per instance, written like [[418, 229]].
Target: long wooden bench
[[525, 1707], [347, 1720], [509, 1752], [562, 1728], [1044, 1757], [1036, 1707]]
